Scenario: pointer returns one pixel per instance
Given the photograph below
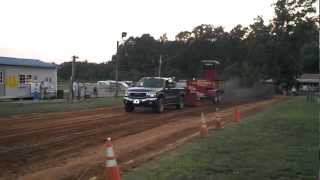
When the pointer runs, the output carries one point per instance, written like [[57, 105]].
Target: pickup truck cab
[[154, 92]]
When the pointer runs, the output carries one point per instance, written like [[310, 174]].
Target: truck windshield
[[151, 83]]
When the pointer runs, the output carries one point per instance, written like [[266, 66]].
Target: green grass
[[280, 143], [27, 107]]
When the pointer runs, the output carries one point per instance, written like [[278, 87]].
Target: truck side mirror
[[170, 85], [166, 84]]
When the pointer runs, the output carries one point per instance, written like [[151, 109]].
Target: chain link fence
[[313, 96], [89, 90]]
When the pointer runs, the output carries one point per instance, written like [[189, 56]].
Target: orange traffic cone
[[112, 169], [218, 122], [203, 127], [236, 114]]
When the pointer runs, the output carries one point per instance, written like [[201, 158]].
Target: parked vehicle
[[112, 84], [154, 92]]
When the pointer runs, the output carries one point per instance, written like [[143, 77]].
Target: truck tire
[[216, 99], [219, 98], [160, 106], [180, 104], [128, 107]]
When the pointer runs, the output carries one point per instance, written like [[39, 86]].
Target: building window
[[47, 79], [29, 79], [50, 80], [1, 77], [35, 78], [22, 79]]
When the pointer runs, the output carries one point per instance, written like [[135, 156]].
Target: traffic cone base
[[236, 115], [112, 169], [113, 173], [218, 122], [219, 125], [203, 127], [204, 131]]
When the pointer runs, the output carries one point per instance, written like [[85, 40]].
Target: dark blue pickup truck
[[154, 92]]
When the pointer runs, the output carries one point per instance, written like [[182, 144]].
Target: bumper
[[140, 102]]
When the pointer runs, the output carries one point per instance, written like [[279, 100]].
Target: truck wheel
[[160, 106], [129, 108], [219, 98], [216, 99], [180, 104]]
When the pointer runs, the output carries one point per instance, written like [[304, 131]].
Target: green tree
[[289, 15]]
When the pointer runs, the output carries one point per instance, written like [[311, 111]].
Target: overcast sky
[[54, 30]]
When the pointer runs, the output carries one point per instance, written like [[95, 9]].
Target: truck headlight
[[151, 94]]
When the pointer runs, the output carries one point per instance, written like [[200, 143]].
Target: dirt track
[[69, 145]]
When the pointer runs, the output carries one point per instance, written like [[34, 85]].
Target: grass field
[[26, 107], [280, 143]]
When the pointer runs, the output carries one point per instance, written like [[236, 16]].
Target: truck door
[[170, 93]]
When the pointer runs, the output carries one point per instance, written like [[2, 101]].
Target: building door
[[2, 86]]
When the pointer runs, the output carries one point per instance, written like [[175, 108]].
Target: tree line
[[281, 49]]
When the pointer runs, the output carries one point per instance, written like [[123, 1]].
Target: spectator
[[95, 92], [42, 90], [75, 87], [85, 92], [78, 91]]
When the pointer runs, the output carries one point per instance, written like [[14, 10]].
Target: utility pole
[[160, 63], [72, 76], [117, 71], [162, 39], [123, 35]]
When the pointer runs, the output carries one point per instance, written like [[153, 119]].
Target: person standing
[[85, 92], [79, 91], [42, 90], [75, 89], [95, 92]]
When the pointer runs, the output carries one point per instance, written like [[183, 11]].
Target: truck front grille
[[137, 95]]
